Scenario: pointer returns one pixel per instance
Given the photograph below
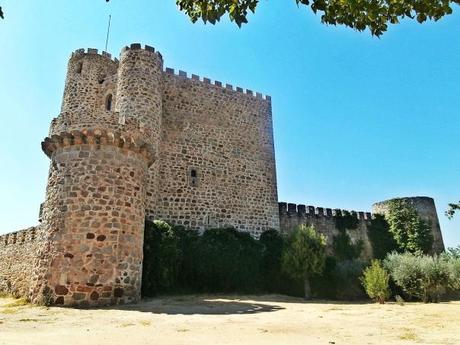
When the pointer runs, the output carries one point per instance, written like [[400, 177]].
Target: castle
[[135, 140]]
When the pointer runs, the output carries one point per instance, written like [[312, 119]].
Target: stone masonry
[[135, 140]]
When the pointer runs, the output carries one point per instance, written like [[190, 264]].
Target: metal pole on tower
[[108, 32]]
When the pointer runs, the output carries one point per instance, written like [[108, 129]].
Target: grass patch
[[20, 302], [127, 324], [5, 294], [334, 308], [409, 334], [28, 320], [8, 311], [183, 330], [145, 322]]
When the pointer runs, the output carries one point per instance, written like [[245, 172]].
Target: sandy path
[[217, 320]]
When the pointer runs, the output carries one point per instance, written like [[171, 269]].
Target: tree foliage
[[344, 248], [452, 209], [381, 239], [375, 280], [410, 232], [161, 258], [346, 275], [304, 255], [374, 15]]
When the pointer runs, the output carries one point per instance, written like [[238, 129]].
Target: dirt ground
[[217, 320]]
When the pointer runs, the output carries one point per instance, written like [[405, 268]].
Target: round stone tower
[[94, 213], [426, 209], [139, 90], [86, 72]]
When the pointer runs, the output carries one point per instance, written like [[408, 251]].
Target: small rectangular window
[[193, 177]]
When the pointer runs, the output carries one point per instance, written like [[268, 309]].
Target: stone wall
[[322, 219], [226, 137], [18, 253]]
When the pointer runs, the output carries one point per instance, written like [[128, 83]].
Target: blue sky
[[357, 119]]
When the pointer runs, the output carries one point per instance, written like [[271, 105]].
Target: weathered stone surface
[[135, 141], [322, 219]]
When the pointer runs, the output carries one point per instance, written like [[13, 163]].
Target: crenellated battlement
[[216, 83], [312, 211], [19, 237], [93, 51], [138, 46], [98, 137]]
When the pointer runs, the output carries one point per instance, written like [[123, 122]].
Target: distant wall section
[[18, 254], [323, 220]]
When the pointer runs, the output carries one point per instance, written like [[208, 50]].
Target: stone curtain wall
[[292, 215], [426, 209], [18, 254], [226, 136]]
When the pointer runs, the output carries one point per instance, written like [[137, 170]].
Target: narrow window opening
[[193, 177], [108, 102], [102, 79], [79, 67]]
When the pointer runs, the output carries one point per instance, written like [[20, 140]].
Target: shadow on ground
[[200, 305]]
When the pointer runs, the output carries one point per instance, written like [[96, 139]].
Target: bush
[[420, 276], [454, 274], [406, 273], [346, 275], [227, 260], [324, 285], [375, 281], [435, 278], [270, 266], [161, 258]]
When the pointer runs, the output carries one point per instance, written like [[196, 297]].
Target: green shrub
[[304, 255], [324, 285], [435, 278], [453, 265], [161, 258], [375, 281], [346, 275], [406, 273], [227, 260], [270, 266], [421, 276]]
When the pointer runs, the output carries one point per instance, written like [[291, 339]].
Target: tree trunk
[[307, 289]]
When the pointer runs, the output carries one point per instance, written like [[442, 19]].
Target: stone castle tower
[[135, 141]]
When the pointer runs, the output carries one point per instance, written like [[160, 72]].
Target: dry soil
[[216, 320]]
